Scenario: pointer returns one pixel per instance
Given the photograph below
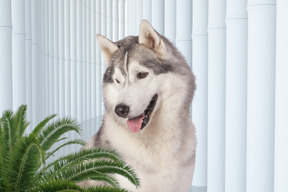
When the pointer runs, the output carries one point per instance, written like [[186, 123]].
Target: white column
[[183, 28], [132, 27], [5, 56], [46, 55], [28, 61], [93, 59], [216, 96], [88, 58], [115, 20], [260, 95], [139, 13], [281, 102], [98, 61], [121, 19], [236, 91], [50, 71], [199, 104], [109, 19], [84, 61], [56, 96], [67, 59], [61, 64], [73, 50], [147, 10], [170, 20], [18, 53], [158, 13], [79, 61]]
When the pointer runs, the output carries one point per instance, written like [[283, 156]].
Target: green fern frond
[[19, 121], [106, 178], [38, 129], [85, 155], [105, 189], [6, 122], [56, 185], [75, 141], [50, 134]]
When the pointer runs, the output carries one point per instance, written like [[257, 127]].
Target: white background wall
[[49, 60]]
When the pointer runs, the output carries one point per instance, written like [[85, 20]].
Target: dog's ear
[[150, 38], [107, 47]]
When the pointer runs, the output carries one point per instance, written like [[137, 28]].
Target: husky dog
[[147, 89]]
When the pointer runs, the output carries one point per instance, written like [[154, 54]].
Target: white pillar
[[28, 61], [46, 56], [56, 96], [260, 95], [67, 59], [98, 61], [73, 50], [236, 91], [139, 13], [51, 56], [158, 13], [109, 19], [115, 20], [5, 56], [93, 59], [18, 53], [79, 61], [170, 20], [183, 28], [121, 19], [281, 108], [199, 104], [132, 27], [84, 61], [216, 96], [88, 58], [61, 64], [147, 10]]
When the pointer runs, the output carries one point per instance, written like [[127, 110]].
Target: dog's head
[[138, 76]]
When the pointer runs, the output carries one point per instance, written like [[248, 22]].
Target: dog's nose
[[122, 110]]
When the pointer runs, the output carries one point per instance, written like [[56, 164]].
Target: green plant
[[23, 157]]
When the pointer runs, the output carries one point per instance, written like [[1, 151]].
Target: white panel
[[139, 13], [158, 14], [73, 51], [260, 95], [121, 18], [6, 55], [115, 20], [147, 7], [93, 59], [61, 60], [281, 108], [84, 61], [67, 59], [98, 61], [56, 58], [28, 53], [50, 72], [46, 56], [199, 104], [132, 27], [216, 96], [88, 58], [170, 20], [236, 86], [18, 53], [184, 29], [109, 19], [79, 62]]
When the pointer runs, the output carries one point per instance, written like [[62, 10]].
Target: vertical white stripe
[[216, 96], [18, 53], [5, 56], [28, 53], [67, 59], [79, 62], [115, 20], [281, 108], [109, 19], [93, 59], [121, 19], [61, 60], [98, 60], [56, 86], [199, 104], [139, 13], [50, 53], [131, 18], [84, 61], [170, 20], [236, 86], [158, 14], [147, 7], [73, 50], [260, 95], [88, 58]]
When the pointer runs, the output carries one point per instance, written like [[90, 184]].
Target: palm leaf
[[38, 129], [50, 135], [6, 122], [19, 121]]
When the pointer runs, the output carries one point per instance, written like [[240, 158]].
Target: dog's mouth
[[137, 123]]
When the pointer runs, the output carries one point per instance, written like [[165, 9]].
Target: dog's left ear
[[150, 38], [107, 47]]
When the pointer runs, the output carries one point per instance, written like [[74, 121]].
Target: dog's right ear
[[107, 47]]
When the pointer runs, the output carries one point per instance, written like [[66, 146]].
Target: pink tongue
[[135, 124]]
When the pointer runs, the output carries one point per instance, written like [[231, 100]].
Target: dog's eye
[[142, 75], [117, 81]]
